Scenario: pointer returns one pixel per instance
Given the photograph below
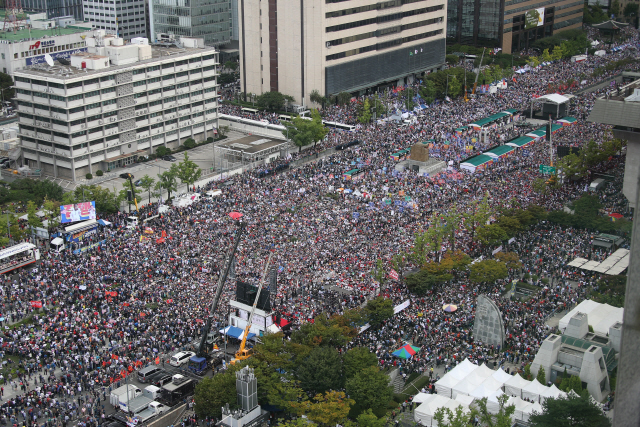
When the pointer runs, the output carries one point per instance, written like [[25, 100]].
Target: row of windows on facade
[[369, 7], [110, 90], [384, 45], [102, 104], [88, 7], [384, 31], [383, 19], [109, 77], [109, 138]]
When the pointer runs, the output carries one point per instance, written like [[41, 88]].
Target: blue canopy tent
[[234, 332]]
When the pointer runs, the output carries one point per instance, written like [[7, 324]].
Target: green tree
[[364, 116], [569, 411], [428, 92], [479, 215], [369, 419], [452, 59], [147, 183], [324, 331], [9, 227], [32, 219], [212, 394], [370, 389], [510, 259], [409, 94], [631, 10], [232, 65], [487, 271], [316, 98], [571, 382], [379, 272], [343, 98], [546, 56], [541, 376], [502, 418], [558, 52], [51, 211], [321, 371], [455, 87], [188, 172], [163, 151], [491, 234], [298, 422], [445, 417], [271, 101], [6, 86], [422, 281], [451, 221], [168, 180], [304, 132], [325, 409], [356, 359], [378, 310], [527, 375]]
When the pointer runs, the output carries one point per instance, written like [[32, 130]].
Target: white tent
[[420, 397], [465, 401], [471, 381], [600, 316], [445, 385], [521, 407], [487, 387], [501, 376], [462, 369], [424, 413], [552, 391], [533, 391], [515, 385], [529, 410], [493, 406]]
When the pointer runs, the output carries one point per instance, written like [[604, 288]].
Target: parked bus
[[339, 126], [249, 110], [285, 118], [18, 256]]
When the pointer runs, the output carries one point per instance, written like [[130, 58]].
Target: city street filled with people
[[132, 300]]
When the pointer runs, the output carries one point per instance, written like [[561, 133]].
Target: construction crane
[[244, 353], [475, 84], [129, 176]]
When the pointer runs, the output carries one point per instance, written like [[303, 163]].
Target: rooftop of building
[[63, 72], [37, 34], [618, 107], [251, 144]]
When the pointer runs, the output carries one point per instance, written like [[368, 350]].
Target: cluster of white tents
[[468, 382]]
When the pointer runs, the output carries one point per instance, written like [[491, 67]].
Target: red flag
[[169, 301], [157, 360], [394, 274], [36, 304], [164, 233], [160, 240]]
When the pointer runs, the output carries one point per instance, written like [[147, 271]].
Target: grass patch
[[528, 286], [411, 388], [26, 321], [152, 306], [11, 368]]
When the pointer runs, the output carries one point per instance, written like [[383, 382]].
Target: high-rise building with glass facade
[[207, 19], [512, 25]]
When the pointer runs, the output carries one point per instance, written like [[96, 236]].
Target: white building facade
[[113, 104]]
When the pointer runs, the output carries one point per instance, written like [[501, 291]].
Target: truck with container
[[138, 404], [153, 409], [120, 393], [175, 391], [597, 184]]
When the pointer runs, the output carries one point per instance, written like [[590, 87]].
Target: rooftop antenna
[[14, 16]]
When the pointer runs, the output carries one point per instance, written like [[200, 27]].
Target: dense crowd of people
[[132, 300]]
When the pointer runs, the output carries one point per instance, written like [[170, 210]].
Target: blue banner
[[32, 60]]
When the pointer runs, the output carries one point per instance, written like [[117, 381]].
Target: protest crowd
[[133, 300]]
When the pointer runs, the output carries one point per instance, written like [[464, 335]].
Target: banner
[[36, 304], [496, 250], [394, 274], [534, 18], [398, 308], [77, 212]]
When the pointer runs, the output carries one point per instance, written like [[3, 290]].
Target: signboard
[[77, 212], [547, 170], [496, 250], [43, 43], [533, 18], [39, 59]]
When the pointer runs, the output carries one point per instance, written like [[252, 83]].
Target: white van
[[212, 194], [57, 245], [181, 358]]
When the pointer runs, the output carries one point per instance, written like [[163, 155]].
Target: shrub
[[89, 176], [209, 140], [189, 143], [99, 173], [163, 151], [152, 157]]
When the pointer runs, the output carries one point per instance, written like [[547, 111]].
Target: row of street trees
[[305, 132]]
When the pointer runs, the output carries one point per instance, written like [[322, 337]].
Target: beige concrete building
[[297, 46]]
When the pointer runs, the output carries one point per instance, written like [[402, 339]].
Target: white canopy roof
[[462, 369], [465, 401], [472, 381], [529, 410], [600, 316], [420, 397], [493, 406], [487, 387], [553, 98], [515, 385], [501, 376], [533, 391], [445, 385], [424, 413]]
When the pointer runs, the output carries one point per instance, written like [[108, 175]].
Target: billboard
[[78, 212], [533, 18]]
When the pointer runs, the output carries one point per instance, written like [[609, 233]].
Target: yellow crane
[[244, 353]]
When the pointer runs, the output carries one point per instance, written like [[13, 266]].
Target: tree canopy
[[569, 411]]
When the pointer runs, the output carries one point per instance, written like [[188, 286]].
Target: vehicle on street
[[181, 358], [169, 158]]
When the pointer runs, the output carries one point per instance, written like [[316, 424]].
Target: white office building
[[126, 19], [114, 103]]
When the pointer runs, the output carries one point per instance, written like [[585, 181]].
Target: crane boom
[[240, 354], [221, 279], [475, 84]]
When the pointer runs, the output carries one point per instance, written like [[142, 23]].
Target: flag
[[36, 304], [164, 233], [169, 301], [157, 360], [394, 274], [514, 79]]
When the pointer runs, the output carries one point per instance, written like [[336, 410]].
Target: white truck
[[135, 405], [121, 394], [153, 409], [597, 184]]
